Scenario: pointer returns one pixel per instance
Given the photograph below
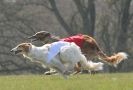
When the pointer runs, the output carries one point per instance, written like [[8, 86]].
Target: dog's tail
[[89, 65], [93, 66], [114, 59]]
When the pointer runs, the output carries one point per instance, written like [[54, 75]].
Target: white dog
[[63, 61]]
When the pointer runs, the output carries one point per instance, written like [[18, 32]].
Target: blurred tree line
[[110, 22]]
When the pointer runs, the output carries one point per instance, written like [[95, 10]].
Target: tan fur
[[90, 48], [24, 47]]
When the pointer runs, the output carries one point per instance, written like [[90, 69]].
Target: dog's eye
[[29, 44], [19, 46]]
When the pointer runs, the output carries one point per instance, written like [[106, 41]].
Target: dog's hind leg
[[70, 67], [58, 66], [84, 63], [77, 68], [64, 74]]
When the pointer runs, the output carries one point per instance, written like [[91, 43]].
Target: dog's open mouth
[[17, 52], [33, 38]]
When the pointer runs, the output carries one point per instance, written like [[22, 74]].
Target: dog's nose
[[11, 50]]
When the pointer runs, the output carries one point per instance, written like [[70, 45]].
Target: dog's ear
[[26, 47]]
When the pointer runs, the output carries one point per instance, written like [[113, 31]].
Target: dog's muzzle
[[33, 38], [15, 51]]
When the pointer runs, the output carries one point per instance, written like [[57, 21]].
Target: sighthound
[[64, 62], [88, 45]]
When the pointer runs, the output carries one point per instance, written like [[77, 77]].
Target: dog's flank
[[69, 54]]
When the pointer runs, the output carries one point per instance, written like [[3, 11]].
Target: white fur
[[122, 56], [65, 61]]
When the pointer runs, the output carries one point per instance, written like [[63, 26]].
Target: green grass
[[119, 81]]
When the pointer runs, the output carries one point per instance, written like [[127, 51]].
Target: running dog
[[63, 60], [88, 45]]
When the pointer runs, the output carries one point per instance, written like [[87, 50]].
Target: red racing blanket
[[77, 39]]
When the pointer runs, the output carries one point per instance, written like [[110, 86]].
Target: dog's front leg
[[38, 63]]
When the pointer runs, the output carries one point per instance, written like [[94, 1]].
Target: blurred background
[[110, 22]]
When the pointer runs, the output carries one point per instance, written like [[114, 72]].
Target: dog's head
[[42, 35], [22, 48]]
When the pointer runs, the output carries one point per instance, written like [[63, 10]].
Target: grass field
[[119, 81]]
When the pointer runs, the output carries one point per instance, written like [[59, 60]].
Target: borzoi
[[64, 62], [88, 46]]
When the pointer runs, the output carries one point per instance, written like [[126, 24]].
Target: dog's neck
[[33, 54]]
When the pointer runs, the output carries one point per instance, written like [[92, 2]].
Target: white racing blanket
[[55, 49]]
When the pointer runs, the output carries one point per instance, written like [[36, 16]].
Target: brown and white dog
[[88, 46], [63, 62]]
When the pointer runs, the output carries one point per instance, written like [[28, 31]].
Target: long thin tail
[[114, 59], [89, 65], [95, 66]]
